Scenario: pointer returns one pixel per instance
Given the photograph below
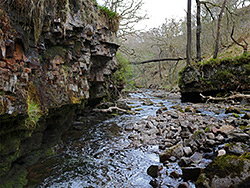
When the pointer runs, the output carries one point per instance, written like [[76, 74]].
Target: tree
[[218, 30], [198, 30], [189, 33], [129, 12]]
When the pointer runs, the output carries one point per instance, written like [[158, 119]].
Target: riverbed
[[96, 152]]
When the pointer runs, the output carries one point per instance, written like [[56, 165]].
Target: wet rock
[[148, 102], [185, 132], [240, 137], [184, 185], [173, 114], [134, 136], [210, 136], [196, 157], [129, 127], [190, 173], [220, 137], [172, 159], [176, 151], [161, 110], [210, 142], [175, 174], [191, 143], [153, 170], [200, 137], [184, 162], [246, 116], [221, 152], [154, 183], [236, 148], [232, 109], [187, 150], [226, 171]]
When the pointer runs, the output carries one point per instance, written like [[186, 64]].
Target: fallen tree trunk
[[230, 98], [110, 109], [157, 60]]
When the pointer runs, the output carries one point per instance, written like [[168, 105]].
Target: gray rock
[[210, 136], [187, 150], [184, 162], [240, 137], [234, 172], [220, 137], [221, 152], [236, 148], [172, 159], [196, 157]]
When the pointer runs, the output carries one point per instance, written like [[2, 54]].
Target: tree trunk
[[218, 30], [189, 33], [198, 31]]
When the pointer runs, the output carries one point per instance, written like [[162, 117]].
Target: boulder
[[190, 173], [153, 170], [226, 171], [176, 151]]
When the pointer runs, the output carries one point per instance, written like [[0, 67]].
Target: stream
[[97, 153]]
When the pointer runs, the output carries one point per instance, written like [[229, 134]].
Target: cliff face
[[53, 54], [214, 77]]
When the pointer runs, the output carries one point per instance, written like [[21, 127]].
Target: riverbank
[[195, 138]]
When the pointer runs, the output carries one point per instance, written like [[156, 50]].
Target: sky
[[159, 10]]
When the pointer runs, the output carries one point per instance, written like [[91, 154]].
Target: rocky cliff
[[53, 55], [216, 76]]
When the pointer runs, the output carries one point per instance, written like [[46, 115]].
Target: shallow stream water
[[98, 153]]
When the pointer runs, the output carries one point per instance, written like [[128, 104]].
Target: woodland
[[214, 29]]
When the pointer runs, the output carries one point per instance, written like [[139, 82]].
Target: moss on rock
[[225, 171]]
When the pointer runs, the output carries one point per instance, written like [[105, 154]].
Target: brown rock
[[2, 64], [226, 129]]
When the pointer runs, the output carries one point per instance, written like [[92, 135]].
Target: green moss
[[224, 75], [53, 51], [207, 129], [242, 127], [232, 109], [225, 165], [107, 12], [246, 155], [34, 108], [236, 115], [138, 109], [202, 181], [124, 73], [34, 114]]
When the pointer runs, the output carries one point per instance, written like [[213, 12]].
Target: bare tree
[[189, 33], [130, 14], [198, 30], [218, 30]]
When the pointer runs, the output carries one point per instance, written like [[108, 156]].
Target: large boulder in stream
[[215, 76], [226, 171]]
